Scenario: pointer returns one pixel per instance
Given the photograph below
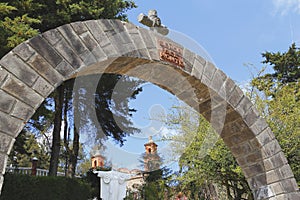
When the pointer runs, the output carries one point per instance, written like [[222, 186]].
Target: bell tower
[[151, 158]]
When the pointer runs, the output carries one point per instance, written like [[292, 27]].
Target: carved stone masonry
[[153, 21]]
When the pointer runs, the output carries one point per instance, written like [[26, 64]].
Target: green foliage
[[285, 70], [25, 148], [277, 95], [204, 158], [23, 19], [18, 187]]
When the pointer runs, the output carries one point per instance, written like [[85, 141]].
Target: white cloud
[[286, 6]]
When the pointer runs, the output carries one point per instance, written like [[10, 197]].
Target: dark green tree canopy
[[23, 19]]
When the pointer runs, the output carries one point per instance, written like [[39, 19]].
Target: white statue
[[112, 184]]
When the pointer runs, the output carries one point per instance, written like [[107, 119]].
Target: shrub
[[26, 187]]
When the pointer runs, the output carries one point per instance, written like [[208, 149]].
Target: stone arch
[[31, 71]]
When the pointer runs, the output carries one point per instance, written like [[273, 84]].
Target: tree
[[203, 169], [278, 95], [26, 147], [21, 20]]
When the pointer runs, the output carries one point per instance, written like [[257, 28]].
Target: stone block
[[198, 67], [241, 150], [244, 106], [3, 162], [45, 50], [6, 102], [24, 51], [3, 75], [285, 172], [270, 149], [1, 182], [52, 36], [218, 80], [254, 157], [231, 115], [110, 50], [10, 125], [145, 34], [79, 27], [273, 176], [264, 192], [68, 53], [73, 40], [264, 137], [235, 97], [277, 188], [188, 59], [290, 185], [45, 69], [43, 87], [22, 111], [19, 68], [22, 92], [131, 28], [6, 143], [227, 88], [278, 160], [209, 70], [97, 32], [257, 182], [65, 69], [258, 126], [251, 117], [255, 171]]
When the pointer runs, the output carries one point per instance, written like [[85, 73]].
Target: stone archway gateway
[[31, 71]]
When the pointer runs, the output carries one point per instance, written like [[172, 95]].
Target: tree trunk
[[75, 150], [55, 149]]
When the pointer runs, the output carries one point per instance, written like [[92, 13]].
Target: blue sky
[[234, 33]]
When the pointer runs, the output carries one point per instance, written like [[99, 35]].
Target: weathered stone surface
[[52, 36], [244, 106], [264, 192], [22, 111], [22, 92], [218, 80], [289, 185], [251, 117], [259, 125], [68, 53], [65, 69], [254, 172], [45, 69], [19, 68], [6, 102], [10, 125], [188, 59], [6, 143], [270, 149], [43, 87], [3, 161], [97, 32], [3, 75], [79, 27], [45, 50], [24, 51], [1, 182], [209, 70], [235, 97], [73, 40], [198, 67]]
